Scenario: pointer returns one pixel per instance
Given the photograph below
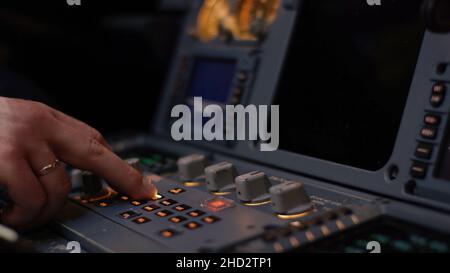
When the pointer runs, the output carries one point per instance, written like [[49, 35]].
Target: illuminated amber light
[[294, 242], [136, 203], [196, 213], [167, 233], [150, 208], [297, 224], [340, 225], [176, 190], [309, 235], [181, 207], [278, 247], [161, 214], [355, 219], [141, 220], [192, 225], [255, 204], [192, 184], [293, 216], [220, 193], [177, 219], [325, 230], [242, 19], [217, 204], [210, 219]]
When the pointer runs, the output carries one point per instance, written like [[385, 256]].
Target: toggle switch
[[220, 177], [191, 167], [253, 187], [290, 198]]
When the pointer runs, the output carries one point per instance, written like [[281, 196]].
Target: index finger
[[87, 153]]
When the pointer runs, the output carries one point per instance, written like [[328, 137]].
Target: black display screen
[[346, 79]]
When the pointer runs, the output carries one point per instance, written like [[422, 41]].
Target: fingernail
[[149, 187]]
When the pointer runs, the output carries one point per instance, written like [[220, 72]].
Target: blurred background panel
[[102, 62]]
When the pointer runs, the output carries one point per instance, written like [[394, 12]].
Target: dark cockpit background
[[102, 62]]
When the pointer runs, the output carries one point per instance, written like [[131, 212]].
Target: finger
[[81, 126], [55, 183], [26, 193], [87, 153]]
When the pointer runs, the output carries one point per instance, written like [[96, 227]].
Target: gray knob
[[92, 185], [220, 177], [290, 198], [253, 187], [135, 163], [191, 167], [76, 177]]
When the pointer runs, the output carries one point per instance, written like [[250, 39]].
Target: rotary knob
[[220, 177], [290, 198], [191, 167], [92, 185], [253, 187]]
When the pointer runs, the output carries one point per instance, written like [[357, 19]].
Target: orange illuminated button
[[176, 190], [136, 203], [195, 213], [168, 233], [124, 198], [216, 204], [181, 207], [141, 220], [102, 204], [150, 207], [128, 214], [168, 202], [210, 219], [164, 213], [177, 219], [192, 225]]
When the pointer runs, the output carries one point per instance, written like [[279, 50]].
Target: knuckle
[[96, 135], [11, 152], [95, 149], [38, 114], [34, 116]]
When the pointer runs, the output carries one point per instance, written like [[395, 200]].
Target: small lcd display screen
[[212, 80], [346, 79]]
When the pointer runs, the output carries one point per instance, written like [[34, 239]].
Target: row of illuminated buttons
[[424, 150], [192, 225], [174, 191], [175, 219], [165, 212]]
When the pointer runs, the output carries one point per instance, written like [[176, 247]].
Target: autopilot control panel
[[364, 148]]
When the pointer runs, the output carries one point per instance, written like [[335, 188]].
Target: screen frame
[[434, 50]]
